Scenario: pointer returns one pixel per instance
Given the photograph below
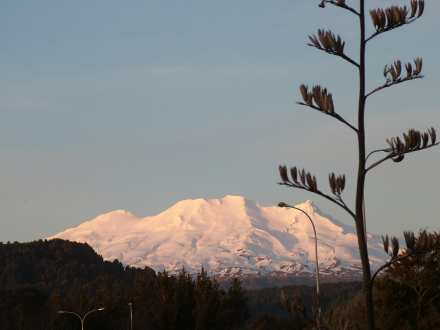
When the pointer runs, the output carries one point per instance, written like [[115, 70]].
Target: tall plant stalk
[[320, 99], [360, 190]]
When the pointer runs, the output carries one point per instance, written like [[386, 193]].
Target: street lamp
[[285, 205], [130, 304], [83, 318]]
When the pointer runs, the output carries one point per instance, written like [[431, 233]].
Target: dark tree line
[[40, 278]]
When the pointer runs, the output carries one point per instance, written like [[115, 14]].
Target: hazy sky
[[138, 104]]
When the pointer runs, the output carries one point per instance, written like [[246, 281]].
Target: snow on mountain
[[226, 236]]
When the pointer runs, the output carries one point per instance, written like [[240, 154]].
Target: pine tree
[[234, 309]]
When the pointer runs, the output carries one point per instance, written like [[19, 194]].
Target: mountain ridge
[[227, 236]]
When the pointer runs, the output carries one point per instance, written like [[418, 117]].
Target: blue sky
[[138, 104]]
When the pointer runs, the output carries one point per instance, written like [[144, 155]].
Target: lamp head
[[282, 204]]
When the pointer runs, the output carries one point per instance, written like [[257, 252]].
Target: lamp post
[[130, 305], [82, 318], [318, 318]]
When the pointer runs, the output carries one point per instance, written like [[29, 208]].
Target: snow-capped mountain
[[227, 236]]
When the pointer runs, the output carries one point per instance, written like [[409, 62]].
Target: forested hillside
[[40, 278]]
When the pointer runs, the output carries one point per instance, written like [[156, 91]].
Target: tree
[[407, 292], [235, 310], [410, 286], [320, 99]]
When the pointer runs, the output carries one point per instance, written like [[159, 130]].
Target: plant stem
[[360, 221]]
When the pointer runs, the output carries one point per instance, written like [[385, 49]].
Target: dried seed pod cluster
[[417, 70], [412, 140], [337, 183], [393, 72], [386, 243], [395, 247], [425, 242], [299, 178], [416, 245], [318, 97], [328, 41], [410, 240], [394, 16], [391, 246]]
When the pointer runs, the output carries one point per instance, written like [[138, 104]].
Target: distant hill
[[38, 279], [57, 264]]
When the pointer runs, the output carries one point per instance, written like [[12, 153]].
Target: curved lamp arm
[[285, 205], [73, 313], [92, 311]]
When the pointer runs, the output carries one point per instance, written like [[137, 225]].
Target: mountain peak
[[308, 206], [118, 212], [115, 215], [225, 235], [234, 197], [186, 205]]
